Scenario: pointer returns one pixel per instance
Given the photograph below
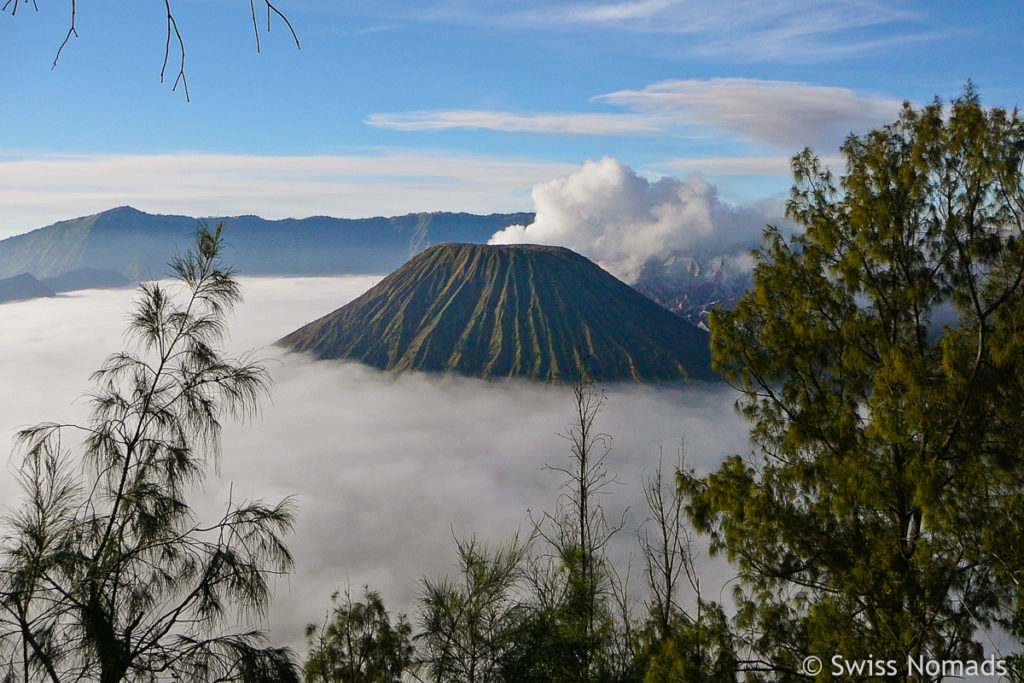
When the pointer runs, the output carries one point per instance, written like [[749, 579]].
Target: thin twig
[[71, 32], [271, 8], [172, 25], [172, 29], [255, 28]]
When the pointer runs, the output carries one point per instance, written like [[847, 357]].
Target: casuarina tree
[[107, 573], [879, 356]]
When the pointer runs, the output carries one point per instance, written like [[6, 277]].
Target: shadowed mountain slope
[[509, 311], [86, 278]]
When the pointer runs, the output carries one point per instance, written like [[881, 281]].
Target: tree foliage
[[543, 610], [582, 586], [879, 360], [358, 643], [107, 574], [472, 625], [554, 608], [697, 648], [678, 645]]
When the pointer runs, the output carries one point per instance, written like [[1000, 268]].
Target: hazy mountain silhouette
[[21, 287], [135, 245], [86, 278]]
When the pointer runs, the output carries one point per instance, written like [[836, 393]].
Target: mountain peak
[[23, 286], [509, 311]]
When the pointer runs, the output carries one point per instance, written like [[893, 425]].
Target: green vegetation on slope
[[503, 311]]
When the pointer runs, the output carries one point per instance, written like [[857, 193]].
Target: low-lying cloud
[[385, 468], [611, 214]]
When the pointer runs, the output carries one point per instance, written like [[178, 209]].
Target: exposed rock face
[[692, 286]]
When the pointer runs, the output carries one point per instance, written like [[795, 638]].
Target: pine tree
[[107, 575], [879, 357]]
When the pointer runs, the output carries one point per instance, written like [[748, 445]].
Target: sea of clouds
[[385, 469]]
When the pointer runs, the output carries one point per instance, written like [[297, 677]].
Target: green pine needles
[[107, 574], [879, 357]]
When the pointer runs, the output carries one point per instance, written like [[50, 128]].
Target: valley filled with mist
[[385, 468], [512, 341]]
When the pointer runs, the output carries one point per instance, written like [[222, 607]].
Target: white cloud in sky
[[756, 30], [731, 30], [795, 17], [384, 467], [743, 166], [510, 122], [37, 191], [784, 114], [609, 213]]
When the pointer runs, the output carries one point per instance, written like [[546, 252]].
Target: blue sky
[[394, 106]]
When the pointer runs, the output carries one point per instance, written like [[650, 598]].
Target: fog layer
[[385, 469]]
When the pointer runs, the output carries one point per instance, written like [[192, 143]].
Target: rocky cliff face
[[692, 286]]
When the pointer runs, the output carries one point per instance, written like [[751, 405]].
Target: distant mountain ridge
[[123, 245], [132, 244], [509, 311], [692, 286], [21, 287]]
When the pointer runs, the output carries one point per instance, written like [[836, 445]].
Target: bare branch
[[172, 27], [71, 31], [255, 28], [271, 8], [172, 31]]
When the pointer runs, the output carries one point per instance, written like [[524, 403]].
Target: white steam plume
[[610, 214]]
